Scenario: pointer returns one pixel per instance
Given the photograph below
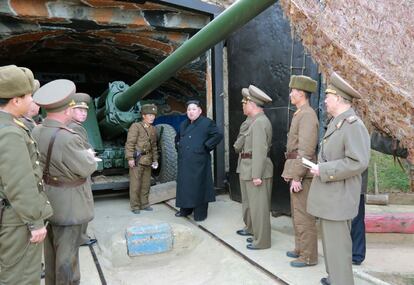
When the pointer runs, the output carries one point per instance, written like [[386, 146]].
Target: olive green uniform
[[334, 194], [141, 137], [71, 197], [302, 141], [27, 205], [238, 147], [28, 122], [80, 130], [255, 163]]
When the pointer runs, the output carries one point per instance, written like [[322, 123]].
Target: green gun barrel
[[217, 30]]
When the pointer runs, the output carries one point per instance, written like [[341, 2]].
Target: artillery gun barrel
[[217, 30]]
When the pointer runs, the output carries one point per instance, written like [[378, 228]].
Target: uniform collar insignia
[[297, 111], [339, 124], [19, 123]]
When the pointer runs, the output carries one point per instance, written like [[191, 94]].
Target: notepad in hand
[[307, 163]]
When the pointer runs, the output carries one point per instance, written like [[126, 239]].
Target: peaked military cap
[[304, 83], [256, 95], [81, 100], [149, 109], [36, 85], [16, 81], [338, 86], [56, 95]]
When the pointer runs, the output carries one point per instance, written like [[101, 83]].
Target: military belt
[[56, 183], [295, 155], [246, 155]]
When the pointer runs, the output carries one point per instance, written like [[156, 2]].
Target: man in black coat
[[197, 137]]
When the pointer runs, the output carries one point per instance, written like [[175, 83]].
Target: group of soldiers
[[45, 175], [45, 170], [325, 186]]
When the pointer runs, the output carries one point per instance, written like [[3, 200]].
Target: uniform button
[[189, 137], [331, 177], [40, 183], [37, 162], [324, 140], [47, 202], [32, 142]]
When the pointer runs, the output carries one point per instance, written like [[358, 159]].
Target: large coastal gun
[[119, 106]]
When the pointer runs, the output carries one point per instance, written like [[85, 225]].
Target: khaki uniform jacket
[[142, 137], [239, 143], [344, 154], [303, 139], [80, 130], [70, 161], [258, 140], [21, 176]]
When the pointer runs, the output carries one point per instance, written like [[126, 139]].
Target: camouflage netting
[[370, 44]]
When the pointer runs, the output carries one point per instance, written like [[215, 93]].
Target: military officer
[[27, 118], [256, 169], [335, 190], [66, 166], [79, 115], [141, 153], [238, 147], [23, 203], [302, 142]]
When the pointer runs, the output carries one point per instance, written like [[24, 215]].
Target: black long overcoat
[[195, 141]]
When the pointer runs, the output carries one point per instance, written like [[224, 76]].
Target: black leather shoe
[[136, 211], [325, 281], [180, 214], [292, 254], [91, 241], [149, 208], [354, 262], [243, 232], [251, 246], [250, 240]]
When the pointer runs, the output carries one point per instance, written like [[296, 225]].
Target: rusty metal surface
[[103, 40]]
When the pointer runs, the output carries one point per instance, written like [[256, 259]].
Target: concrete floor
[[210, 252]]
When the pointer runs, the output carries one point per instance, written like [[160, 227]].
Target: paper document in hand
[[307, 163], [98, 159]]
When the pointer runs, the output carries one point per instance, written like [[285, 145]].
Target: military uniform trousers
[[258, 199], [306, 235], [337, 250], [358, 233], [62, 255], [20, 260], [139, 186], [245, 207]]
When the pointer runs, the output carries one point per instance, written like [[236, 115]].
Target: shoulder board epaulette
[[339, 124], [68, 129], [351, 119], [20, 123]]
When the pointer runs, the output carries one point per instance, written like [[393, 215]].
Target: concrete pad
[[210, 252], [162, 192], [197, 258]]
